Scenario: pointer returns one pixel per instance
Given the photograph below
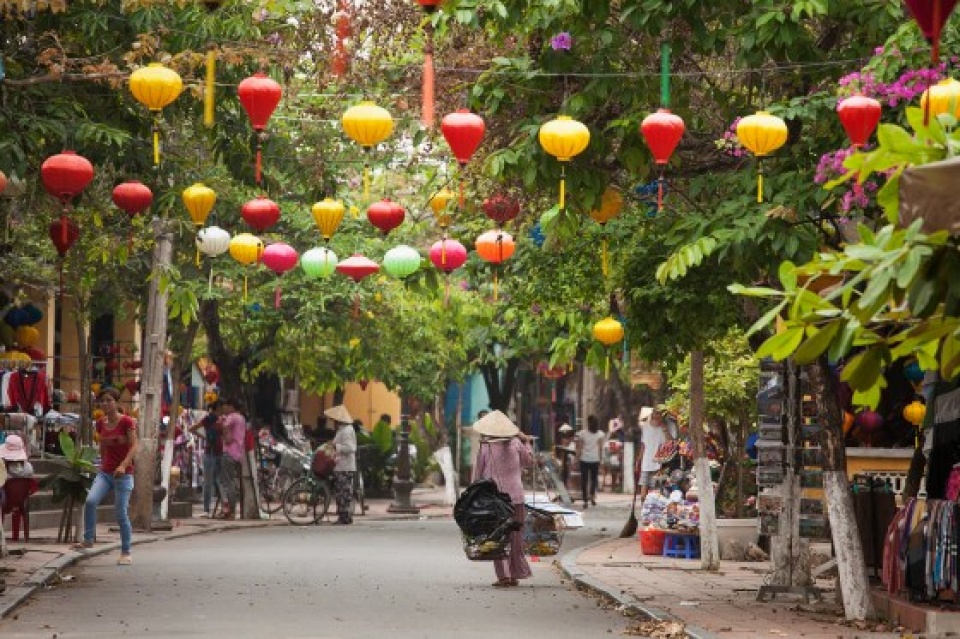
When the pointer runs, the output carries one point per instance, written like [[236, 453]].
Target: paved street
[[375, 579]]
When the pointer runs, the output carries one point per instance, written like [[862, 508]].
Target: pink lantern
[[357, 267], [448, 255], [279, 258]]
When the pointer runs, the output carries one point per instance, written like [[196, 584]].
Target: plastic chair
[[16, 501], [681, 546]]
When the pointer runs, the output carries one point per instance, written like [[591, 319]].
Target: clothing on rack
[[26, 390], [920, 549]]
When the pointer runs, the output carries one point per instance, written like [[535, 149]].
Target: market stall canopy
[[930, 192]]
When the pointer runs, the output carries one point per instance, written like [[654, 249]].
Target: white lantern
[[213, 241]]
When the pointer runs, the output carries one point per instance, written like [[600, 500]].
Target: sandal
[[81, 545], [505, 583]]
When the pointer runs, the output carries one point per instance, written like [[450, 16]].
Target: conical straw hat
[[339, 414], [495, 424]]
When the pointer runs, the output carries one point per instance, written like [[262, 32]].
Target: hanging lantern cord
[[64, 223], [197, 258], [210, 87], [261, 136], [156, 138], [276, 296], [563, 187], [759, 179], [495, 269], [463, 198], [244, 288], [366, 176], [603, 255], [210, 280], [660, 190], [356, 304]]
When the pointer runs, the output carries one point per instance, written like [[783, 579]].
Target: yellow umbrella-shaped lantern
[[368, 125], [943, 97], [199, 200], [155, 86], [247, 249], [328, 214], [564, 138], [608, 332], [914, 413], [762, 134], [611, 203], [438, 204]]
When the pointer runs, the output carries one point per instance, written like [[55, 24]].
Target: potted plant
[[71, 481]]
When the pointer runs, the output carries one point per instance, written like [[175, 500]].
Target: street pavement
[[403, 574]]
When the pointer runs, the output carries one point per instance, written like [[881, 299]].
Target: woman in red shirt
[[118, 444]]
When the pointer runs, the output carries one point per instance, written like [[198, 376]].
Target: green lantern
[[318, 262], [401, 261]]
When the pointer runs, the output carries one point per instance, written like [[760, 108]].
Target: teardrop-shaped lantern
[[943, 97], [401, 261], [199, 200], [155, 86], [327, 215], [63, 233], [259, 95], [132, 197], [662, 132], [761, 134], [611, 203], [463, 131], [859, 116], [438, 204], [386, 215], [319, 262], [931, 15], [260, 213], [564, 138], [279, 258]]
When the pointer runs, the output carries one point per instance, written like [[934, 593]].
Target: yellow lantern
[[438, 203], [943, 97], [608, 332], [368, 125], [611, 203], [914, 413], [199, 200], [328, 214], [564, 138], [155, 86], [27, 336], [246, 249], [762, 134]]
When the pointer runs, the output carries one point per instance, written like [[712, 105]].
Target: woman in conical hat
[[345, 445], [504, 453]]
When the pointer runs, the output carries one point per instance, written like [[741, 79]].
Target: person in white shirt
[[652, 435], [589, 450]]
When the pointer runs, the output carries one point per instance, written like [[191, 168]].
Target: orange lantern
[[495, 247]]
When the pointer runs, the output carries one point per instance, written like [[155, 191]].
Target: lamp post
[[402, 481]]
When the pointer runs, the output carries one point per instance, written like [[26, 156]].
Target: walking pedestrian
[[653, 434], [233, 426], [117, 435], [345, 447], [212, 455], [504, 453], [589, 450]]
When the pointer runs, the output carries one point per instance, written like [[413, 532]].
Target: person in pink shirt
[[234, 429], [504, 452]]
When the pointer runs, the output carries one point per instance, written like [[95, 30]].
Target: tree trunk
[[141, 505], [83, 355], [709, 544], [855, 589], [227, 363], [500, 386]]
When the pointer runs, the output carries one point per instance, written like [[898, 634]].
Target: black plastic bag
[[482, 509]]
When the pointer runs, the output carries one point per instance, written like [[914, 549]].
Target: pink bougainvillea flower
[[561, 42]]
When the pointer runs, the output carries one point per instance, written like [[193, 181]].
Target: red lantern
[[279, 258], [448, 255], [429, 6], [3, 182], [363, 383], [859, 116], [132, 386], [132, 197], [260, 213], [63, 232], [501, 208], [357, 267], [662, 132], [931, 15], [35, 354], [870, 420], [211, 375], [386, 215], [427, 90], [66, 175], [259, 96], [343, 32], [463, 131]]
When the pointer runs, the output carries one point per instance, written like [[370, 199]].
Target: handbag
[[322, 463]]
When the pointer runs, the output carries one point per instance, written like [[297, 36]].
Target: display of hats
[[13, 449], [496, 424], [339, 414], [566, 428]]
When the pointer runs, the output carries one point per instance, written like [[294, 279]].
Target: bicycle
[[273, 482], [307, 500]]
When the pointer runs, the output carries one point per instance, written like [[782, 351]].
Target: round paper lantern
[[260, 213], [15, 317], [327, 215], [761, 134], [259, 96], [27, 336], [155, 86], [246, 249], [564, 138], [448, 255], [859, 116], [318, 262], [357, 267], [608, 331], [438, 204], [65, 175], [279, 258], [132, 197], [869, 420], [495, 246], [914, 412], [501, 208], [943, 97], [386, 215], [429, 5], [199, 200], [913, 372], [463, 131], [367, 124], [3, 182], [401, 261], [213, 241], [611, 203], [31, 314], [34, 354]]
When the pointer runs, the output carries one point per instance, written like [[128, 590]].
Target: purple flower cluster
[[858, 196], [903, 90], [563, 41], [729, 144]]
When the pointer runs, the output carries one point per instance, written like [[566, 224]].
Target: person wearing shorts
[[653, 434]]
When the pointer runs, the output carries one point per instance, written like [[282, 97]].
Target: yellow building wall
[[364, 404]]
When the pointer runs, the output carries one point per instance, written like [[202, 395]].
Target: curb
[[583, 581]]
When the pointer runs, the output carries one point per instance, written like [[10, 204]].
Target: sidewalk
[[40, 563], [706, 605]]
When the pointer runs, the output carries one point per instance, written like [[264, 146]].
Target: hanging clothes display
[[920, 550], [27, 391]]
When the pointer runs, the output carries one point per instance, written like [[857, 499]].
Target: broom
[[630, 528]]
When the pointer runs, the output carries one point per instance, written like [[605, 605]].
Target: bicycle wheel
[[281, 482], [306, 501], [272, 484], [359, 495]]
